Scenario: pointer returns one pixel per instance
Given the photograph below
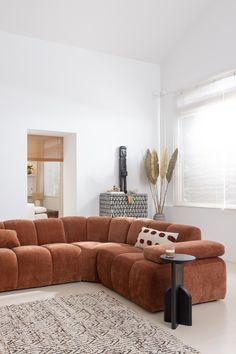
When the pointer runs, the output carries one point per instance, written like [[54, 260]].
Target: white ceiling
[[139, 29]]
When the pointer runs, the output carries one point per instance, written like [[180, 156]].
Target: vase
[[158, 216]]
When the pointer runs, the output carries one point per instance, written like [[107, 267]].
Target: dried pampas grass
[[171, 165], [164, 163], [152, 166], [165, 172]]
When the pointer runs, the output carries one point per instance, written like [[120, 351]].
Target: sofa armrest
[[199, 249]]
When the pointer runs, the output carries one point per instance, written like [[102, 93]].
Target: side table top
[[178, 258]]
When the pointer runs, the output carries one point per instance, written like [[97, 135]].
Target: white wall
[[207, 50], [107, 101]]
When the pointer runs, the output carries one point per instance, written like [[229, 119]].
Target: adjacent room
[[118, 176]]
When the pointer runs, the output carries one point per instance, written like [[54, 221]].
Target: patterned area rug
[[86, 323]]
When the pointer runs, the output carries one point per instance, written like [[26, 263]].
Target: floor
[[214, 324]]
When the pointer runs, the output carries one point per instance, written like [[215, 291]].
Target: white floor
[[214, 324]]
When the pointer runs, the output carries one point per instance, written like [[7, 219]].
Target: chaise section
[[66, 262], [25, 230], [75, 228], [50, 231], [205, 278], [9, 270], [34, 266]]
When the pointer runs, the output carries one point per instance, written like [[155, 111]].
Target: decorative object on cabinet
[[123, 168]]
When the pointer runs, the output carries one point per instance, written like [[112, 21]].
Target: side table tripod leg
[[184, 310], [174, 323], [167, 311]]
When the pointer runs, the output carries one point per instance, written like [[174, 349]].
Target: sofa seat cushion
[[89, 257], [66, 262], [9, 270], [120, 271], [106, 257], [34, 266], [8, 239]]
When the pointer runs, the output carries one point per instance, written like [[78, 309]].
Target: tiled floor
[[214, 324]]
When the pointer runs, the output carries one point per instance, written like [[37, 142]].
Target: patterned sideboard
[[116, 204]]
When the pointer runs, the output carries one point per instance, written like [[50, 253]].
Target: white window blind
[[207, 143]]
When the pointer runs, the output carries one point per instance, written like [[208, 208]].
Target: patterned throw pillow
[[151, 237]]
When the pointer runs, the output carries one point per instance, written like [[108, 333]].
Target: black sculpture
[[123, 170]]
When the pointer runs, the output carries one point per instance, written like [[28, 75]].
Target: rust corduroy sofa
[[101, 249]]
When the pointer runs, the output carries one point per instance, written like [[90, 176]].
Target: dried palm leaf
[[151, 166], [163, 164], [155, 165], [171, 165]]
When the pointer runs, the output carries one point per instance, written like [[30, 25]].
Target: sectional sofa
[[101, 249]]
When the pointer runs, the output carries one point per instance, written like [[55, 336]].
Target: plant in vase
[[159, 176], [30, 169]]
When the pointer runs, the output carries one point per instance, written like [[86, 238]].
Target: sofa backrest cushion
[[25, 229], [75, 228], [98, 228], [8, 239], [135, 229], [119, 228], [1, 225], [159, 225], [50, 231], [186, 232]]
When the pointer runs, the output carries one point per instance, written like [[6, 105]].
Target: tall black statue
[[123, 170]]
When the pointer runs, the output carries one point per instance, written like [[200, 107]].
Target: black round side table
[[178, 301]]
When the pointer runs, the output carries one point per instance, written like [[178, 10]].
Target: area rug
[[93, 323]]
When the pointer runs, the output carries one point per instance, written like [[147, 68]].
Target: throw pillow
[[151, 237], [8, 239]]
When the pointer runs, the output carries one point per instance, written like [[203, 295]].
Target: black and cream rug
[[87, 324]]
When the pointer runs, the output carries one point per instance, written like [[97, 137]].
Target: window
[[207, 143], [52, 183]]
